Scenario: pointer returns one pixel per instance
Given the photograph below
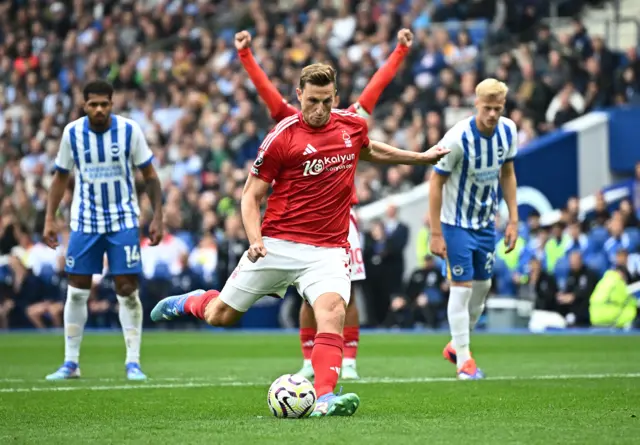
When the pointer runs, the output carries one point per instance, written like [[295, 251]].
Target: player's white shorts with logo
[[357, 263], [313, 270]]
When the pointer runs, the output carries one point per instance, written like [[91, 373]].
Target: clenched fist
[[256, 251], [405, 37], [243, 40]]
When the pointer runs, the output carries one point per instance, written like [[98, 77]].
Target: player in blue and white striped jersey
[[463, 201], [103, 149]]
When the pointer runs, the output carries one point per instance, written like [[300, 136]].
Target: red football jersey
[[312, 174], [287, 110]]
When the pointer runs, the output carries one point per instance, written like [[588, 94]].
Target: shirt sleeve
[[64, 158], [270, 156], [141, 153], [278, 107], [512, 140], [446, 165]]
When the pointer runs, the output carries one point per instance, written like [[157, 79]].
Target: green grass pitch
[[211, 387]]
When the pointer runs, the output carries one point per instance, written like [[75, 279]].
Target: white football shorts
[[313, 270], [358, 272]]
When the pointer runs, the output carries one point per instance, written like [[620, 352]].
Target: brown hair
[[318, 74]]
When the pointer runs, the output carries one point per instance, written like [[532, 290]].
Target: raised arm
[[277, 105], [371, 93]]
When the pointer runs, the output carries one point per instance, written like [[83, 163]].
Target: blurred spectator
[[618, 239], [424, 300], [377, 285], [556, 246], [610, 304], [397, 236], [573, 302], [600, 214], [424, 235], [577, 241], [541, 287], [629, 218], [232, 248], [636, 184]]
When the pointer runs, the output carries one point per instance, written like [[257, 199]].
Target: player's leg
[[326, 285], [308, 332], [123, 253], [460, 247], [480, 290], [130, 314], [483, 261], [247, 284], [351, 338], [84, 258], [216, 308], [352, 319]]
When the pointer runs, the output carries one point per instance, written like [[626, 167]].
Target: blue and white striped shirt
[[470, 195], [104, 198]]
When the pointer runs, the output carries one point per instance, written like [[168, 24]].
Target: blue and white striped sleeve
[[64, 158], [140, 151], [512, 140], [446, 165]]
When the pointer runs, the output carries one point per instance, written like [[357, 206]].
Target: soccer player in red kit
[[279, 110], [309, 160]]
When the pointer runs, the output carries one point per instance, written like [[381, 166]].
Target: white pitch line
[[111, 379], [210, 384]]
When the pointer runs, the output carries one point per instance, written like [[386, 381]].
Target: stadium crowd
[[177, 73]]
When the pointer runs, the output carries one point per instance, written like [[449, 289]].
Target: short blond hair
[[318, 74], [492, 89]]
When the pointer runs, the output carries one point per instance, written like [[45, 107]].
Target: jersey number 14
[[132, 255]]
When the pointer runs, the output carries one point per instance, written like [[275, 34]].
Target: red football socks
[[196, 304], [351, 341], [326, 360], [307, 336]]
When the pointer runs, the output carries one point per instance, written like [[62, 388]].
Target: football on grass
[[291, 396]]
